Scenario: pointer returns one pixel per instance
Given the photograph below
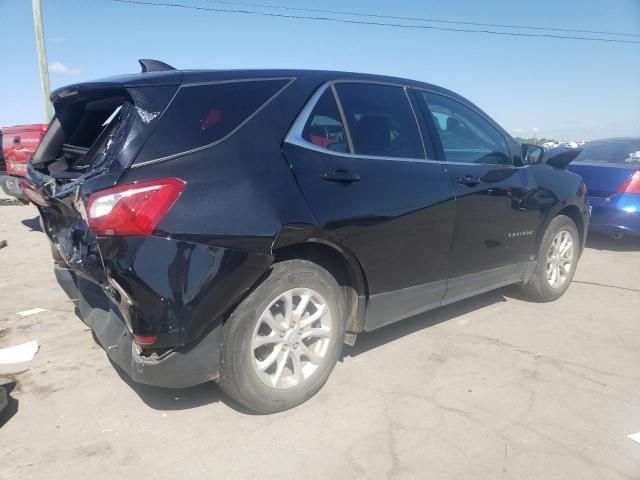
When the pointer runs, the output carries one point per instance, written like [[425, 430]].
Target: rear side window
[[380, 120], [466, 137], [201, 115], [324, 128]]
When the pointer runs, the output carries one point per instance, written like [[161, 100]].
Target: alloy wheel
[[291, 339], [560, 259]]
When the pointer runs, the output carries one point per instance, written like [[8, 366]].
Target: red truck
[[18, 144]]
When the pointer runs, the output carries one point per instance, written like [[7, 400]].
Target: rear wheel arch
[[344, 268]]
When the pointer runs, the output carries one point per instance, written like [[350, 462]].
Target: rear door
[[494, 226], [359, 157]]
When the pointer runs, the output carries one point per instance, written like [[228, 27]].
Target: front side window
[[466, 137], [201, 115], [380, 120], [324, 128]]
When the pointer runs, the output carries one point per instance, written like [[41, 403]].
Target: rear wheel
[[282, 342], [557, 261]]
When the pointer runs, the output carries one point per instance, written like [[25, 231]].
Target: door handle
[[341, 176], [469, 180]]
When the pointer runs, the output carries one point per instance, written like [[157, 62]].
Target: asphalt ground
[[492, 387]]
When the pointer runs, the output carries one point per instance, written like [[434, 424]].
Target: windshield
[[611, 151]]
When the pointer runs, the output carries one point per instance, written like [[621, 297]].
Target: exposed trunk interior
[[80, 134]]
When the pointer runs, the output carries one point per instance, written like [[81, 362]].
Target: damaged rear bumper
[[176, 368]]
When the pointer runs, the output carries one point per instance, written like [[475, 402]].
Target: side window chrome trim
[[496, 165], [294, 137], [232, 132], [310, 146]]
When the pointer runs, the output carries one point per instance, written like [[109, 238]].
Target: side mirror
[[532, 154]]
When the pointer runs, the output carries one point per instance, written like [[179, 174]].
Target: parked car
[[611, 170], [240, 226], [18, 144]]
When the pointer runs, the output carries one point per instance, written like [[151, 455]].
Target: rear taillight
[[144, 340], [632, 185], [134, 209], [16, 168]]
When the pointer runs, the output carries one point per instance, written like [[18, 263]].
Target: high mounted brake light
[[134, 209], [632, 185]]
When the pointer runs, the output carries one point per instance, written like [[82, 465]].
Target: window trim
[[478, 112], [294, 136], [232, 132]]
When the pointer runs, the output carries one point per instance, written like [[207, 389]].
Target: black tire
[[238, 377], [538, 288]]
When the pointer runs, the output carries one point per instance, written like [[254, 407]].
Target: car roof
[[177, 77]]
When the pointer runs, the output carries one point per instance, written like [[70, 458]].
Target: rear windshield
[[201, 115], [98, 128], [611, 152], [86, 121]]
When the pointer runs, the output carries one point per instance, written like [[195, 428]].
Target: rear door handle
[[469, 180], [341, 176]]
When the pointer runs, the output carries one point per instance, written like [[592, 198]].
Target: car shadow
[[33, 224], [11, 202], [600, 241], [167, 399], [370, 340], [8, 410]]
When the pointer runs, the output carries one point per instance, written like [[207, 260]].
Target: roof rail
[[150, 65]]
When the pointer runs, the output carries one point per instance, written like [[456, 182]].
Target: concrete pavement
[[493, 387]]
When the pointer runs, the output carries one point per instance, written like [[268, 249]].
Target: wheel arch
[[342, 264]]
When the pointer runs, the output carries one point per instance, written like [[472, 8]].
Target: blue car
[[611, 171]]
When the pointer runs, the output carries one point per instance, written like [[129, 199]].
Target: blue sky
[[566, 89]]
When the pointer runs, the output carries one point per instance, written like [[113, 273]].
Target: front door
[[495, 225], [360, 161]]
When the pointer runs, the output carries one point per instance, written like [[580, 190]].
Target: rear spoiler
[[561, 158], [154, 72], [150, 65]]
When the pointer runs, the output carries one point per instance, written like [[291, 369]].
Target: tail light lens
[[632, 185], [16, 168], [144, 340], [134, 209]]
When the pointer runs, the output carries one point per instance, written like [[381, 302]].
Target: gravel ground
[[492, 387]]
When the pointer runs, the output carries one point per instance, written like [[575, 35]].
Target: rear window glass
[[200, 115], [380, 120], [83, 123], [612, 151], [324, 128]]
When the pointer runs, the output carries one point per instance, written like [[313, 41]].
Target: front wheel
[[557, 261], [281, 343]]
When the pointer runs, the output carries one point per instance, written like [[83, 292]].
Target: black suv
[[240, 226]]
